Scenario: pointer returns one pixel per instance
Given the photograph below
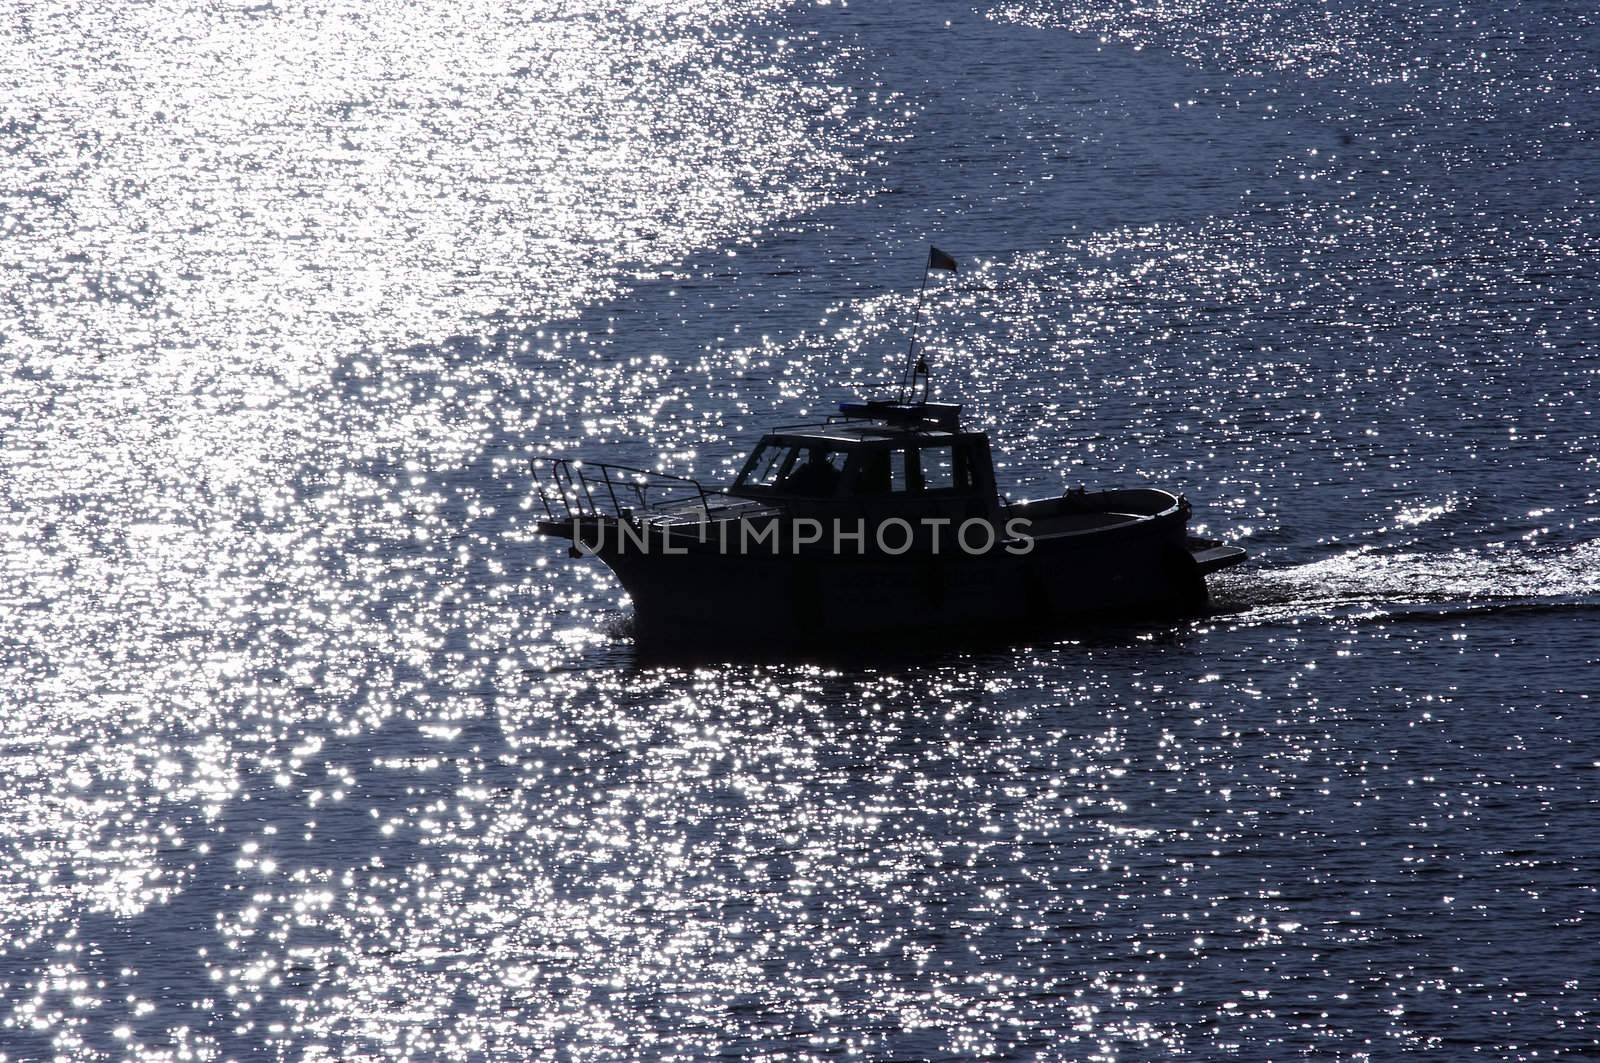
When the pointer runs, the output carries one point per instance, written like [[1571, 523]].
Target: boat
[[883, 520], [880, 523]]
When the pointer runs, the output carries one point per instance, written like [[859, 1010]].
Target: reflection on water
[[311, 750]]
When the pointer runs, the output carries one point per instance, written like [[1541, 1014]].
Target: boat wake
[[1415, 586]]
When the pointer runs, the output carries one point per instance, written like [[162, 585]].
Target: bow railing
[[572, 487]]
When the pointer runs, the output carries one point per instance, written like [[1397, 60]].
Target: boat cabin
[[893, 459]]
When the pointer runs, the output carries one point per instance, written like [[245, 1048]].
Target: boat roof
[[872, 422]]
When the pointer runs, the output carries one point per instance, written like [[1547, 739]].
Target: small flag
[[937, 259]]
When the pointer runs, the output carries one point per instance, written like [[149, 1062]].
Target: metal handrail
[[573, 484], [832, 420]]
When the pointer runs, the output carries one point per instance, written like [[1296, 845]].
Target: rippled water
[[312, 751]]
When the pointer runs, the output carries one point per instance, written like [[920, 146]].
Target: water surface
[[313, 751]]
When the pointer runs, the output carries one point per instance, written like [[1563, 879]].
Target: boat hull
[[704, 595]]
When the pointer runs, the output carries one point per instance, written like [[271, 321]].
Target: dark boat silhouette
[[882, 522]]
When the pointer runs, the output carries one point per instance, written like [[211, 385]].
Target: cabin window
[[770, 462], [881, 471], [814, 471], [938, 468], [801, 469], [945, 468]]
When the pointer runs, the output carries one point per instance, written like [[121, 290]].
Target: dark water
[[312, 751]]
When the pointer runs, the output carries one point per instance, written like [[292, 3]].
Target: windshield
[[767, 465], [803, 469]]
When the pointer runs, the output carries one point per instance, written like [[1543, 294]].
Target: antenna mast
[[916, 366]]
